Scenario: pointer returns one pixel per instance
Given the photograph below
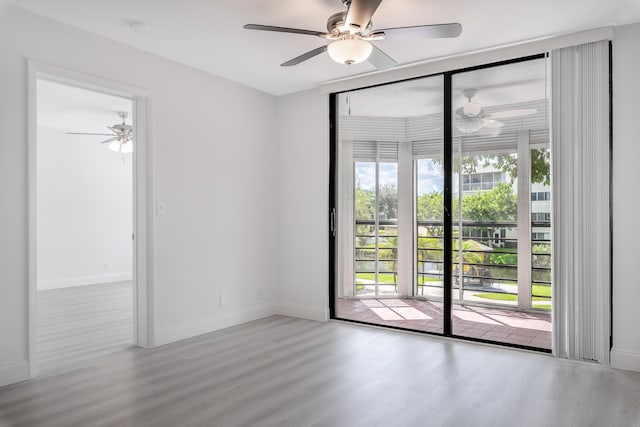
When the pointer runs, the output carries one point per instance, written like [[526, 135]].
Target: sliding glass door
[[500, 235], [443, 220]]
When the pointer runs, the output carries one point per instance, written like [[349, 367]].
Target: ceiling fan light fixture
[[127, 147], [472, 109], [115, 146], [470, 125], [349, 51]]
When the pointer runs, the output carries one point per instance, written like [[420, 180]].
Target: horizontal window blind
[[369, 151], [431, 148]]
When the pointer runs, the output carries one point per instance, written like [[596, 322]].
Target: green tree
[[540, 165], [429, 207], [388, 201], [365, 203], [498, 204]]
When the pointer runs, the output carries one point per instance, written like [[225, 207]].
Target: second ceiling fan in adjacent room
[[121, 138]]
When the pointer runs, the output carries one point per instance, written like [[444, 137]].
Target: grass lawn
[[541, 291], [506, 297], [512, 297], [536, 290], [422, 280], [387, 278]]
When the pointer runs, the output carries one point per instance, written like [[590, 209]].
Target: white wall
[[84, 211], [214, 156], [303, 204], [626, 206]]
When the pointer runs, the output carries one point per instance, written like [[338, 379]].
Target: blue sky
[[430, 175]]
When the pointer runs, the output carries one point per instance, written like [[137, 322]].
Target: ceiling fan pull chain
[[349, 91]]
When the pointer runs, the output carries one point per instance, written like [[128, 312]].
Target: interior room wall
[[85, 211], [303, 204], [213, 167], [626, 233]]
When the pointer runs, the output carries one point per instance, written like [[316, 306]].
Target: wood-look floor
[[78, 324], [286, 371]]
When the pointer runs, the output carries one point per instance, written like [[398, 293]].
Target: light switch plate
[[161, 208]]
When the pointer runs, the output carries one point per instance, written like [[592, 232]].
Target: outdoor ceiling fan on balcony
[[352, 32], [121, 138], [471, 117]]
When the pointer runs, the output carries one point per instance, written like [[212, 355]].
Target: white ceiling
[[208, 35], [78, 110]]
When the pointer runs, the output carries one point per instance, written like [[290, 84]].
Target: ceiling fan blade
[[492, 124], [513, 113], [360, 13], [489, 132], [381, 60], [298, 59], [285, 30], [436, 31], [109, 140], [85, 133]]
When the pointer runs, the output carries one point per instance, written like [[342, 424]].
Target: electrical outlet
[[260, 293], [221, 302], [106, 266]]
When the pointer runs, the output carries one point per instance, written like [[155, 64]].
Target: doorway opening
[[443, 204], [87, 222], [85, 226]]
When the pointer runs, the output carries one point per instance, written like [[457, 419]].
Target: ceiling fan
[[471, 117], [351, 32], [121, 140]]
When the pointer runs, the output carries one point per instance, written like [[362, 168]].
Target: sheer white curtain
[[581, 237]]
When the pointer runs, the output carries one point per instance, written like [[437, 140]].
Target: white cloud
[[430, 177], [366, 175]]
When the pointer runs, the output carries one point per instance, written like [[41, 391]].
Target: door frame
[[447, 195], [142, 238]]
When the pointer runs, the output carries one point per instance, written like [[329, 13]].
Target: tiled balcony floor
[[492, 324]]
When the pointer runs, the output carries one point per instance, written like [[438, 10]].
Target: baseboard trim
[[14, 373], [83, 281], [625, 359], [192, 329], [320, 314]]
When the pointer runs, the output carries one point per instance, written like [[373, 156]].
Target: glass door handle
[[332, 222]]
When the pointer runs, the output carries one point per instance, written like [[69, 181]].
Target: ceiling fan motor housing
[[336, 25]]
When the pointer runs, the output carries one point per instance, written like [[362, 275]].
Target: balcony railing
[[489, 259], [385, 258]]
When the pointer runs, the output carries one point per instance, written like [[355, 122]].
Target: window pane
[[365, 197]]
